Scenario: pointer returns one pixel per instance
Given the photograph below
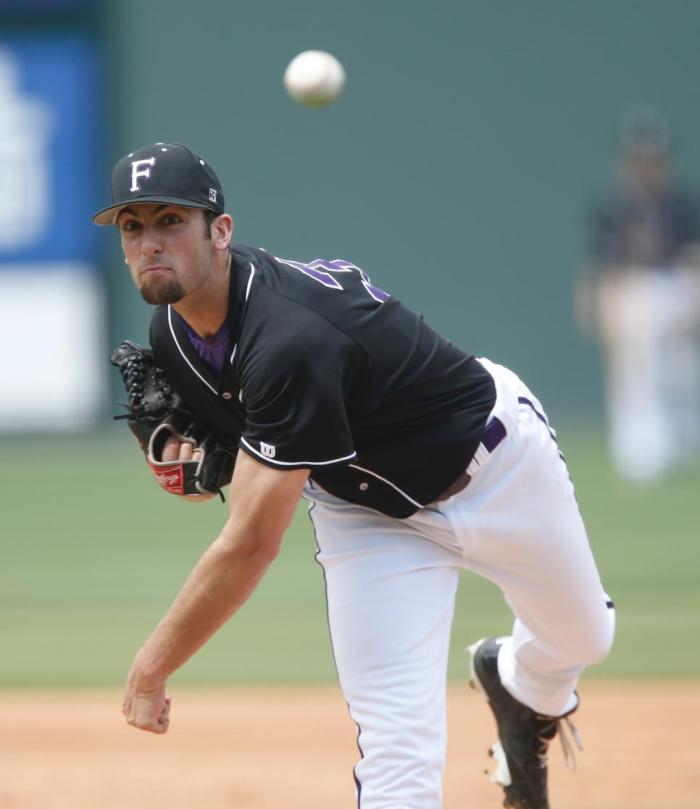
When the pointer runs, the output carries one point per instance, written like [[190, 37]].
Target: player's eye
[[171, 219], [130, 225]]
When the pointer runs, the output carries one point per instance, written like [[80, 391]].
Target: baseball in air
[[314, 78]]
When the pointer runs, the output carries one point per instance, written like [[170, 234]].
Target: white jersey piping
[[388, 483], [184, 356], [295, 463], [247, 293], [250, 280]]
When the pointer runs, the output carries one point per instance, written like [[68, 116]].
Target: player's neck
[[206, 307]]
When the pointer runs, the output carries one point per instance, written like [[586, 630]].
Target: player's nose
[[151, 244]]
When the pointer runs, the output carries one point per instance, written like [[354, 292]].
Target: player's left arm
[[262, 502]]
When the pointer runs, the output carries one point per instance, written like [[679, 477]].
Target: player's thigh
[[523, 530], [390, 591]]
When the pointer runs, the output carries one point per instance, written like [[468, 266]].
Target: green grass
[[92, 553]]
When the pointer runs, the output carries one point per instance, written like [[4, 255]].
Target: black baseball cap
[[162, 172]]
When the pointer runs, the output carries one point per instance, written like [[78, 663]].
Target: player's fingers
[[163, 722], [159, 725], [186, 451], [148, 711], [171, 449]]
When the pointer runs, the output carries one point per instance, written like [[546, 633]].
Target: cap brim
[[107, 215]]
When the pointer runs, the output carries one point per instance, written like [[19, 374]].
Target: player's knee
[[599, 638]]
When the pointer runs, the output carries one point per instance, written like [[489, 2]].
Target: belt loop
[[480, 457], [493, 434]]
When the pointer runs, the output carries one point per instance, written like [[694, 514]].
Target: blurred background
[[522, 174]]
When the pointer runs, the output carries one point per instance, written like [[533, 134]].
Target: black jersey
[[325, 371]]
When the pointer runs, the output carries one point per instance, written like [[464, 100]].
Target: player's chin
[[159, 291]]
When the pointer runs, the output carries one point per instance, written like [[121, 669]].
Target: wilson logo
[[268, 450]]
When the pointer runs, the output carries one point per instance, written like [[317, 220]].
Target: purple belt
[[493, 434]]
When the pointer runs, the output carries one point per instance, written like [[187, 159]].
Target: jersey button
[[226, 395], [364, 486]]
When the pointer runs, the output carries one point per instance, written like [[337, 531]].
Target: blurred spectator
[[642, 298]]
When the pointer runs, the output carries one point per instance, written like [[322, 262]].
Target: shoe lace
[[569, 737]]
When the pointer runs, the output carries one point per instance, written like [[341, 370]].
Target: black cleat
[[523, 735]]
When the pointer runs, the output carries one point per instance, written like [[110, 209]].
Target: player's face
[[167, 249]]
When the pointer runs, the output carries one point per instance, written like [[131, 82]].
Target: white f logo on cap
[[137, 172]]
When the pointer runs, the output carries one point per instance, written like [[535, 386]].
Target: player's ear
[[222, 231]]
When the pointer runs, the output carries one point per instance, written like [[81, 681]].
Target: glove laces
[[134, 375]]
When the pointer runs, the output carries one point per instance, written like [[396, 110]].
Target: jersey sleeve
[[296, 414]]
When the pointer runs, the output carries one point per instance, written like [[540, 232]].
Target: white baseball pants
[[391, 588]]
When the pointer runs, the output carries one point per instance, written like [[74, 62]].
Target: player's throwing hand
[[147, 709]]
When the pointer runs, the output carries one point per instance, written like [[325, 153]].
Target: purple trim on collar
[[213, 350]]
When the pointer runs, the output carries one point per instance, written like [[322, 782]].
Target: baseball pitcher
[[295, 378]]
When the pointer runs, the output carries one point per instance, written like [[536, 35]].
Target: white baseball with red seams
[[314, 78]]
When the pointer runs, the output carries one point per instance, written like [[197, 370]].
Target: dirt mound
[[295, 748]]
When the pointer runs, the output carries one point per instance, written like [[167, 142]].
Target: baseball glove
[[155, 411]]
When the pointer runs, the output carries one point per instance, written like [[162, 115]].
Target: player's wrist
[[145, 676]]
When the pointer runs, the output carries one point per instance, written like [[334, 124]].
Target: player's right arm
[[262, 503]]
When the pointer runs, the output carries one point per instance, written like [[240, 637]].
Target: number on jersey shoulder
[[323, 272]]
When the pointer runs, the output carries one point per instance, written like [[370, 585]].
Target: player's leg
[[390, 606], [520, 526]]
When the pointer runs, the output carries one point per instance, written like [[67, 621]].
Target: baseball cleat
[[520, 754]]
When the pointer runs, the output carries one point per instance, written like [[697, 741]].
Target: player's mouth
[[150, 271]]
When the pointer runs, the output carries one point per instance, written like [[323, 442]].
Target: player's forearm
[[262, 504], [220, 583]]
